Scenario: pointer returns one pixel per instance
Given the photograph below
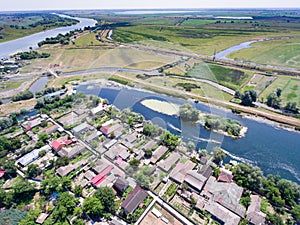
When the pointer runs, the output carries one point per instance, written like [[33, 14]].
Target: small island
[[190, 114], [214, 123]]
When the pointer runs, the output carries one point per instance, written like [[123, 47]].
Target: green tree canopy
[[107, 198], [93, 207]]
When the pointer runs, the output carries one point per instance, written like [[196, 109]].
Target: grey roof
[[149, 145], [195, 180], [181, 169], [134, 199], [124, 154], [121, 184], [158, 153], [254, 215], [71, 152], [226, 194], [222, 214], [206, 171], [167, 163], [81, 127], [114, 151]]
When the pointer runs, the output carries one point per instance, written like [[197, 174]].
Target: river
[[23, 44], [273, 149]]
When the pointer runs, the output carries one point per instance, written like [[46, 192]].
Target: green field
[[290, 89], [196, 22], [228, 77], [283, 52], [203, 41]]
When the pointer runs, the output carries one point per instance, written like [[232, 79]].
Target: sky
[[11, 5]]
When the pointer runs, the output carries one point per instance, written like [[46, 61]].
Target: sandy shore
[[161, 106]]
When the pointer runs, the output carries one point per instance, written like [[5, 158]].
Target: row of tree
[[274, 101]]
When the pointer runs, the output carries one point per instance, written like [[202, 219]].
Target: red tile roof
[[105, 129], [58, 144], [101, 176], [225, 177]]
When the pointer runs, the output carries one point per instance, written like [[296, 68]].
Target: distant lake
[[23, 44], [274, 150]]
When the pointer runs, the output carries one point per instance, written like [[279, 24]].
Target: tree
[[248, 97], [296, 212], [134, 162], [169, 140], [33, 170], [43, 137], [151, 130], [191, 146], [273, 100], [248, 176], [148, 153], [291, 106], [107, 198], [93, 207], [78, 222], [274, 219], [78, 190], [188, 113], [219, 155], [65, 206]]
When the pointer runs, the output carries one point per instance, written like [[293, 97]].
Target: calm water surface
[[273, 149]]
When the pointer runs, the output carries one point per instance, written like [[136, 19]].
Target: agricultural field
[[259, 82], [284, 52], [87, 39], [228, 77], [199, 40], [182, 68], [74, 59], [290, 89], [204, 89], [196, 22]]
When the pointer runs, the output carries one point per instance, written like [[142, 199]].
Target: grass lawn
[[283, 52], [228, 77], [88, 39]]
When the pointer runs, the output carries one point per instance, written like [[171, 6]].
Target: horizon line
[[149, 9]]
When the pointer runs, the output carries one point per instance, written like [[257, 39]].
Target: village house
[[32, 156], [120, 185], [206, 171], [34, 122], [195, 181], [167, 163], [181, 169], [158, 154], [65, 170], [226, 194], [225, 176], [134, 199], [254, 215]]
